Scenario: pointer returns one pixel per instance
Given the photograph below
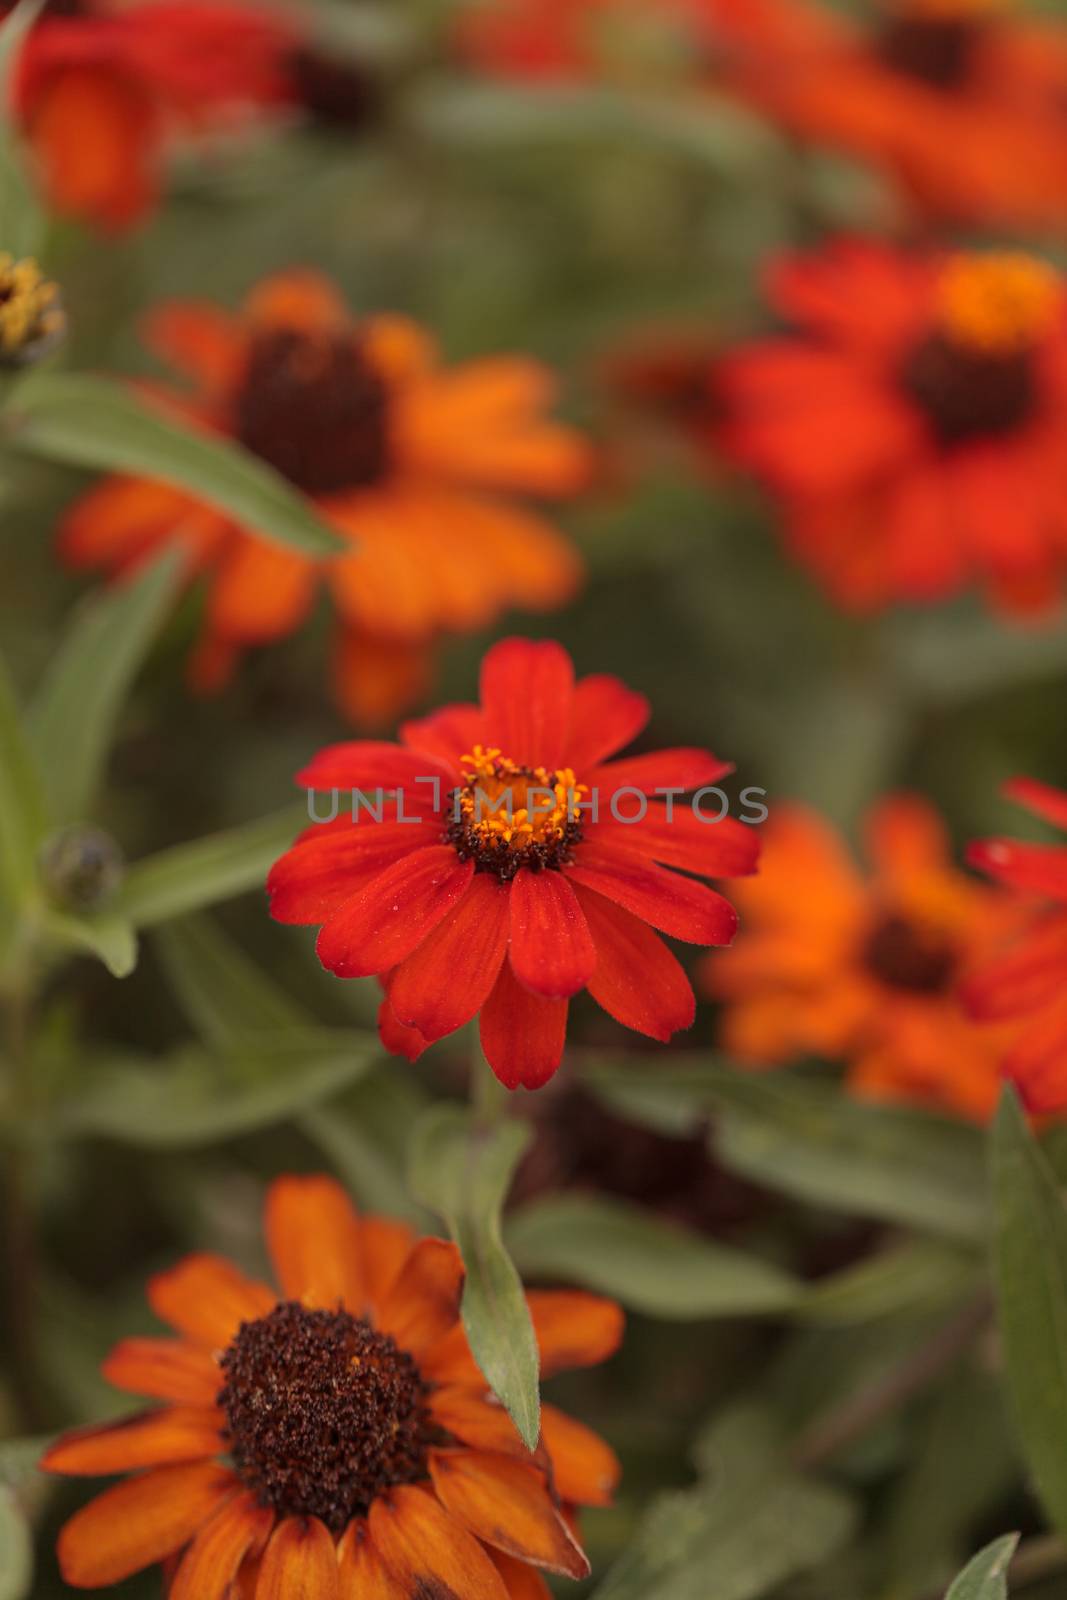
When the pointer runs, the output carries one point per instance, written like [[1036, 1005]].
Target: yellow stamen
[[520, 807], [30, 310], [998, 304]]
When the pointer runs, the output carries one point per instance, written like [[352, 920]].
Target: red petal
[[1034, 868], [637, 980], [551, 951], [367, 764], [679, 838], [605, 717], [507, 1504], [522, 1035], [683, 770], [447, 735], [1040, 798], [386, 919], [315, 878], [526, 694], [448, 978], [140, 1522], [673, 904], [300, 1563], [395, 1037], [313, 1236], [215, 1556]]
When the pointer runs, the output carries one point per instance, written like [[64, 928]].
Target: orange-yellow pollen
[[503, 803], [998, 304]]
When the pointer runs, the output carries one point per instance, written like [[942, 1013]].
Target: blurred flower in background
[[334, 1436], [1028, 985], [415, 463], [32, 319], [492, 903], [914, 426], [862, 967]]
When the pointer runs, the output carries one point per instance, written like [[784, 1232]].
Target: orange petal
[[423, 1303], [584, 1468], [121, 520], [397, 347], [574, 1329], [477, 1421], [313, 1235], [175, 1433], [140, 1522], [429, 1553], [300, 1563], [213, 1560], [261, 591], [96, 136], [165, 1369], [363, 1573], [206, 1298], [375, 679], [386, 1246], [301, 298], [507, 1504], [200, 339], [522, 1582]]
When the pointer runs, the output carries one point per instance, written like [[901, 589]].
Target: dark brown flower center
[[312, 405], [506, 816], [904, 955], [967, 393], [323, 1413], [338, 92], [937, 50]]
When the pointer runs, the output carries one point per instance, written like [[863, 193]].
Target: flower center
[[322, 1412], [974, 372], [934, 40], [31, 316], [904, 955], [311, 405], [505, 816]]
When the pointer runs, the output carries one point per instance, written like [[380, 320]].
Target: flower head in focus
[[517, 865], [418, 465], [332, 1437], [963, 102], [865, 967], [913, 426], [1026, 985]]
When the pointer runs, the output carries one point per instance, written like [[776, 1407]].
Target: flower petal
[[675, 905], [155, 1439], [387, 1244], [680, 838], [526, 694], [1040, 798], [448, 978], [585, 1470], [368, 764], [637, 980], [387, 918], [300, 1563], [423, 1301], [299, 297], [605, 717], [313, 1236], [507, 1504], [398, 1039], [164, 1369], [198, 338], [521, 1034], [446, 735], [1033, 868], [139, 1522], [260, 592], [205, 1298], [429, 1553], [362, 1572], [682, 770], [574, 1329], [476, 1420], [522, 1582], [551, 951], [212, 1561], [322, 871]]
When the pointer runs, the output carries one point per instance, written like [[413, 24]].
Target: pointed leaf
[[21, 218], [463, 1172], [112, 939], [1030, 1258], [92, 422], [22, 823], [221, 992], [985, 1578]]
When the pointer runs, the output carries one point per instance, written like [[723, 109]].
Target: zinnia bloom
[[414, 463], [1028, 984], [103, 91], [863, 967], [517, 866], [333, 1438], [914, 427], [960, 100]]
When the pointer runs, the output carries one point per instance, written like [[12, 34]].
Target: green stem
[[20, 1241], [487, 1093]]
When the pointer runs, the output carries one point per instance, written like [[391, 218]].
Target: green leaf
[[221, 992], [1030, 1257], [93, 422], [188, 877], [916, 1276], [112, 939], [197, 1098], [747, 1527], [985, 1578], [362, 1137], [72, 717], [16, 1550], [463, 1172], [650, 1265], [13, 30], [22, 822]]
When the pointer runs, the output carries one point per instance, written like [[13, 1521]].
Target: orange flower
[[558, 40], [411, 461], [843, 965], [963, 103], [104, 89], [334, 1439], [914, 428]]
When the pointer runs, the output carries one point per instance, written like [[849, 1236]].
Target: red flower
[[914, 428], [1029, 983], [465, 911], [103, 91]]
